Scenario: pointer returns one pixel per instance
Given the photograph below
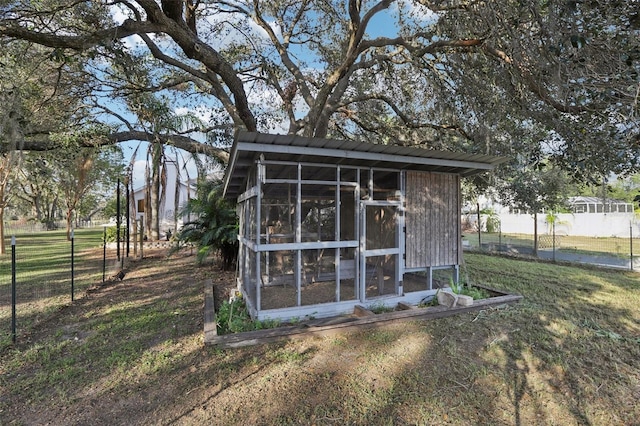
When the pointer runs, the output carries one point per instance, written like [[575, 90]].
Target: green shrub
[[380, 308], [112, 232], [215, 229]]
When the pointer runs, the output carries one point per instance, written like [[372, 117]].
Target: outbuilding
[[326, 225]]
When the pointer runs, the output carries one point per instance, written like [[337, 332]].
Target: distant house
[[326, 225], [598, 205], [170, 218]]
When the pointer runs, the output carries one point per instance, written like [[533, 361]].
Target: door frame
[[397, 249]]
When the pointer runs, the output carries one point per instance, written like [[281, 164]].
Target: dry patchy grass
[[132, 352]]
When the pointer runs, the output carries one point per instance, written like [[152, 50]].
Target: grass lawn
[[132, 353], [43, 272], [570, 243]]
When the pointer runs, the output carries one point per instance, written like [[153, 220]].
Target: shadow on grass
[[133, 353]]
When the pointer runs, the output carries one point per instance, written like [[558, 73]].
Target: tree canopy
[[544, 82]]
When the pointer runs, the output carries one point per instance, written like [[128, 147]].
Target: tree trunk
[[155, 192], [155, 210], [176, 201], [37, 209], [69, 218]]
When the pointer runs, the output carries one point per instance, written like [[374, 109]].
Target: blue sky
[[383, 25]]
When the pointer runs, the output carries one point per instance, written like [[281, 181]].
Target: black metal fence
[[42, 271]]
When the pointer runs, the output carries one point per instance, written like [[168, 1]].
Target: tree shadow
[[546, 359]]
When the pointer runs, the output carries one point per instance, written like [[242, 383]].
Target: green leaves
[[216, 228]]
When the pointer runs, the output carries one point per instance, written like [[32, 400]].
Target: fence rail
[[13, 227]]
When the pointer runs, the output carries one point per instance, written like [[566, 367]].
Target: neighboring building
[[326, 225], [170, 218], [589, 217], [598, 205]]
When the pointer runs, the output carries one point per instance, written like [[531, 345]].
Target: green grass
[[43, 272], [566, 354], [571, 243]]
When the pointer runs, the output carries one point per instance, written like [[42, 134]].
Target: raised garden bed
[[362, 318]]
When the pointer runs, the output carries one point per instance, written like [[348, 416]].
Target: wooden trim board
[[336, 325]]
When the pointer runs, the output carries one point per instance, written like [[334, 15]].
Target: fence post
[[13, 289], [479, 228], [553, 227], [104, 253], [128, 227], [72, 269], [631, 245], [535, 234], [134, 223], [118, 220]]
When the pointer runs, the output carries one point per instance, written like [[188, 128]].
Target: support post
[[72, 268], [141, 237], [128, 212], [631, 245], [104, 253], [13, 289], [553, 227], [118, 220], [535, 234], [479, 227]]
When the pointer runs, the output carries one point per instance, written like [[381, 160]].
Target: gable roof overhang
[[249, 146]]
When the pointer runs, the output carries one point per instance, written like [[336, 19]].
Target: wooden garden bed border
[[335, 325]]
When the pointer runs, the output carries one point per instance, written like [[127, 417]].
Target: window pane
[[385, 185], [347, 213], [380, 275], [279, 171], [318, 173], [278, 279], [278, 217], [318, 213], [381, 227]]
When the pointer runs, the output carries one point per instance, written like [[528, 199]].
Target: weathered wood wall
[[432, 219]]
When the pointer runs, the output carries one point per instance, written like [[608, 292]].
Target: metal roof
[[248, 146]]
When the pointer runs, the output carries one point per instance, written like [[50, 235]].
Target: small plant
[[429, 300], [233, 317], [379, 308], [456, 287], [270, 323], [492, 223], [467, 290], [476, 293]]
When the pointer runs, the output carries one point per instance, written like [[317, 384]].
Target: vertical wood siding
[[432, 219]]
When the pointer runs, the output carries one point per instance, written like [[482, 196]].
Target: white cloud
[[420, 13], [119, 16]]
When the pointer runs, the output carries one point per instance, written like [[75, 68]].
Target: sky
[[383, 25]]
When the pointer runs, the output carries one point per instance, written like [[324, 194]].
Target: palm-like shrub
[[215, 227]]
